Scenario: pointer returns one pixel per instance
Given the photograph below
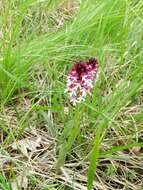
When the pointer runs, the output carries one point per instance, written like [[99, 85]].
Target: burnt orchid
[[80, 80]]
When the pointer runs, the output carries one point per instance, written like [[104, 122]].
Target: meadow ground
[[45, 142]]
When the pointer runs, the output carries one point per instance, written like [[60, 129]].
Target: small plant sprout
[[80, 80]]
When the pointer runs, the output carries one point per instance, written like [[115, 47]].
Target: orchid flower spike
[[80, 80]]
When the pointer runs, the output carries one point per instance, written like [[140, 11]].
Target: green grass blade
[[66, 146]]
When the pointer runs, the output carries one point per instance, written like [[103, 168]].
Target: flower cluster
[[80, 80]]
